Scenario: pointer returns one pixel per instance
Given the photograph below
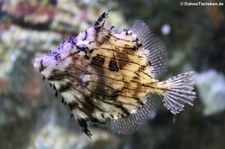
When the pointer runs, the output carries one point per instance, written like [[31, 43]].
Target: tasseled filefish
[[103, 75]]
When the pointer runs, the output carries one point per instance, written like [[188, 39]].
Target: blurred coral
[[211, 87], [48, 137], [4, 88], [33, 88]]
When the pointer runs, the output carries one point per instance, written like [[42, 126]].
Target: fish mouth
[[38, 64]]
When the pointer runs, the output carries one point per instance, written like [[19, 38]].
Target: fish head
[[68, 56]]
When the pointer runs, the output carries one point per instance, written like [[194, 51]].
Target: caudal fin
[[180, 92]]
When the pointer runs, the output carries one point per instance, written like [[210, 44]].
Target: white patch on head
[[59, 65], [81, 43], [50, 63], [58, 59], [66, 49], [64, 64]]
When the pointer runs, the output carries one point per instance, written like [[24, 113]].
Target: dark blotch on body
[[97, 60], [86, 57], [123, 60], [113, 66]]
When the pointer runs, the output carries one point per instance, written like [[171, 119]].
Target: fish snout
[[38, 64]]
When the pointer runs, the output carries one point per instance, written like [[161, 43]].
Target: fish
[[112, 78]]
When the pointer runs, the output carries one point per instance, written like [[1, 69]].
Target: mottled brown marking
[[74, 57], [115, 93], [128, 47], [86, 102], [91, 50], [101, 91], [132, 49], [142, 68], [135, 77], [102, 38], [86, 57], [124, 59], [135, 92], [128, 50], [138, 88], [116, 38]]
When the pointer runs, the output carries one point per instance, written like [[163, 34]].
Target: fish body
[[105, 75]]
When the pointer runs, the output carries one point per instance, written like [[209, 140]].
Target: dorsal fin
[[101, 20], [133, 122], [154, 49]]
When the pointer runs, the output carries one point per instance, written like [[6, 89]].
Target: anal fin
[[133, 122]]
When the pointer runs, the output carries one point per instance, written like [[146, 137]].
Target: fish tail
[[179, 92]]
